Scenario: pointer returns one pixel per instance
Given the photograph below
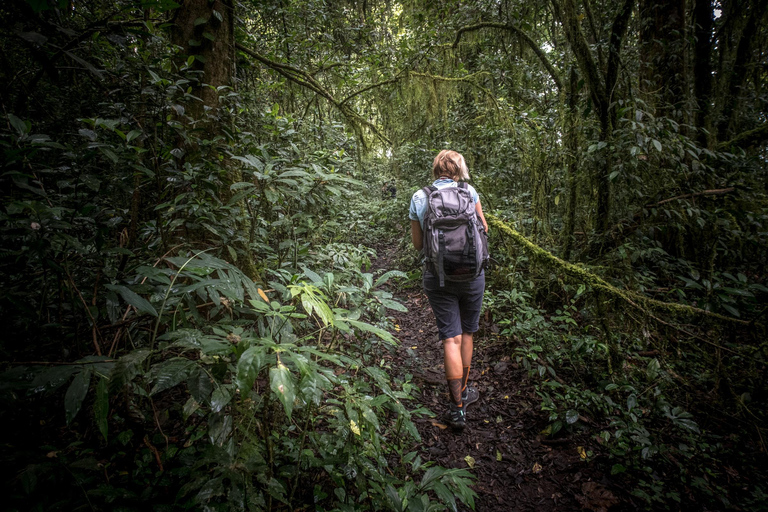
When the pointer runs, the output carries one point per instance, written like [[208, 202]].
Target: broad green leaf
[[393, 304], [73, 399], [171, 373], [571, 416], [313, 276], [20, 126], [53, 378], [281, 383], [387, 276], [101, 407], [220, 398], [248, 368], [141, 304], [381, 333]]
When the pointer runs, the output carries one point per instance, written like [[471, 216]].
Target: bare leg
[[467, 345], [453, 370]]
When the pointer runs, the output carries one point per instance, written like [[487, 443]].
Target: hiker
[[455, 303]]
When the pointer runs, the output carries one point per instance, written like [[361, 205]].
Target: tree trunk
[[601, 87], [205, 30], [571, 144], [703, 19], [662, 40]]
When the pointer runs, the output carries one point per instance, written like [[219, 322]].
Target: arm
[[479, 210], [416, 235]]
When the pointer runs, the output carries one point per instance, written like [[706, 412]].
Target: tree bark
[[205, 31], [600, 91], [703, 19], [662, 40], [571, 145]]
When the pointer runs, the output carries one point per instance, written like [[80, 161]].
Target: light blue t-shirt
[[419, 200]]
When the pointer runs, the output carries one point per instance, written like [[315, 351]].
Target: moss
[[577, 273]]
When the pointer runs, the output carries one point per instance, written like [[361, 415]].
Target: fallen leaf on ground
[[581, 451], [596, 497], [498, 456], [470, 461], [537, 468], [439, 425]]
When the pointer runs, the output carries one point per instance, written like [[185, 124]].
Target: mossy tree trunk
[[601, 86], [206, 31], [572, 146]]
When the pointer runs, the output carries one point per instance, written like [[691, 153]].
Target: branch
[[372, 86], [523, 35], [746, 139], [618, 31], [712, 192], [306, 80], [568, 17], [466, 79], [633, 299]]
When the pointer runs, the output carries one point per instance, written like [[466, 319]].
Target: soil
[[517, 468]]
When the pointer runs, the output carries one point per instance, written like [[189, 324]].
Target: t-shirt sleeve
[[412, 211], [475, 196]]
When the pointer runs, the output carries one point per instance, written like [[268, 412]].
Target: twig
[[88, 311], [57, 363]]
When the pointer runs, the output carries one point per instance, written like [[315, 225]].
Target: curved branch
[[523, 35], [465, 79], [566, 13], [372, 86], [633, 299], [305, 79], [746, 139]]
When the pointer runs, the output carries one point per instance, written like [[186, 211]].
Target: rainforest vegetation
[[209, 297]]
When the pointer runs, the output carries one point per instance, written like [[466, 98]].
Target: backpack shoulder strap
[[428, 190], [463, 184]]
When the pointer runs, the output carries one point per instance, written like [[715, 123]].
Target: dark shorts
[[456, 305]]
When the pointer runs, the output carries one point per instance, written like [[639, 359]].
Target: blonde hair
[[451, 164]]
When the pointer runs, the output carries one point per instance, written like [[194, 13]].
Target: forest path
[[516, 469]]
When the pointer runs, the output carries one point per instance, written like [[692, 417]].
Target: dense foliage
[[191, 207]]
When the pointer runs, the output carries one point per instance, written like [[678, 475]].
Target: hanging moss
[[629, 298]]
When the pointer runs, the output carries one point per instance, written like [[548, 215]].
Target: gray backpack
[[455, 241]]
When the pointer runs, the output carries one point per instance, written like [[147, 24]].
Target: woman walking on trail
[[456, 304]]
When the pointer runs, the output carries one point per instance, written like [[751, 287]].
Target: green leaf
[[73, 400], [171, 373], [393, 304], [313, 276], [101, 406], [656, 144], [381, 333], [248, 368], [281, 383], [141, 304], [220, 398], [571, 416], [20, 126], [387, 276]]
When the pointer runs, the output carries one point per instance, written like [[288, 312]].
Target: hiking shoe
[[469, 395], [455, 417]]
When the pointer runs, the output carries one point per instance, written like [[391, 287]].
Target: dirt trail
[[516, 469]]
